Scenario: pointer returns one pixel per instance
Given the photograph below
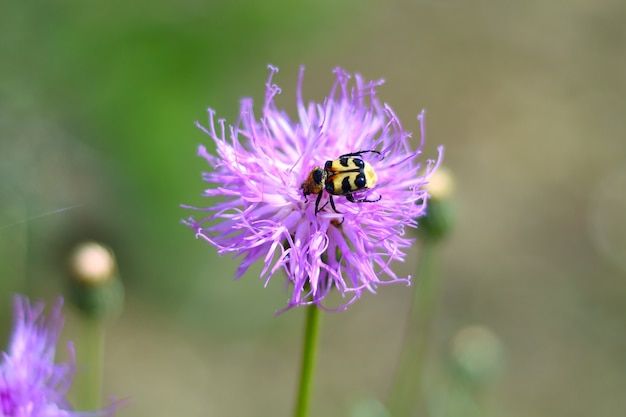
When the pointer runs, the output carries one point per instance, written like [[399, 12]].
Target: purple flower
[[263, 214], [31, 383]]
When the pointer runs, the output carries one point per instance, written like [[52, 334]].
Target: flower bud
[[94, 285], [477, 354], [440, 213]]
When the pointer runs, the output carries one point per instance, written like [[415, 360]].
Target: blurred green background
[[97, 104]]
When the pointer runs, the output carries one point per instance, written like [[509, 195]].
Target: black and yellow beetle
[[342, 176]]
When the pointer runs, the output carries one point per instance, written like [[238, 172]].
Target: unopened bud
[[94, 286], [440, 216], [477, 354]]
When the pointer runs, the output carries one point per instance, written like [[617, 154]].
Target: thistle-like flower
[[325, 198], [31, 383]]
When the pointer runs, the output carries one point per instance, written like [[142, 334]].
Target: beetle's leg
[[351, 199], [365, 200], [317, 203], [332, 204]]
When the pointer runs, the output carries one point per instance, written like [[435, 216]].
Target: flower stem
[[91, 358], [406, 390], [311, 335]]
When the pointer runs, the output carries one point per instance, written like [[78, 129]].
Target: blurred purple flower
[[31, 383], [262, 214]]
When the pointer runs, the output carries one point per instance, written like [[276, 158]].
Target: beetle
[[341, 177]]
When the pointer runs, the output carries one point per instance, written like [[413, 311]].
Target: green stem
[[90, 357], [406, 390], [311, 335]]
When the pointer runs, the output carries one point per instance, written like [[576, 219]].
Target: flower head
[[264, 172], [31, 383]]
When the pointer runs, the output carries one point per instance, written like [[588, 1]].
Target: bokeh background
[[97, 141]]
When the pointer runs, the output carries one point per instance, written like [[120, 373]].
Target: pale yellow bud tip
[[441, 184], [92, 263]]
